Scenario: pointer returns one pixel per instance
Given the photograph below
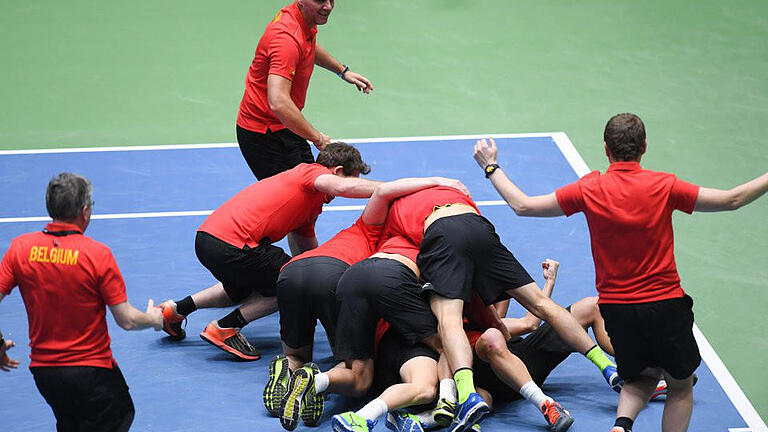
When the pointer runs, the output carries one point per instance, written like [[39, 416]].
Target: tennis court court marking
[[564, 144]]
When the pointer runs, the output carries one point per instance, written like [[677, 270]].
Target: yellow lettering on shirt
[[277, 17], [55, 255]]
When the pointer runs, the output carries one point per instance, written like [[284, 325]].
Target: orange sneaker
[[172, 320], [558, 419], [229, 340]]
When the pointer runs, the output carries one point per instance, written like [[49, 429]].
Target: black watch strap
[[490, 169]]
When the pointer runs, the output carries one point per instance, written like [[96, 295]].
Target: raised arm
[[713, 200], [375, 212], [280, 102], [348, 187], [326, 61], [530, 322], [485, 154], [130, 318]]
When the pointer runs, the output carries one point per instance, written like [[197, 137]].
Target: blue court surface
[[149, 203]]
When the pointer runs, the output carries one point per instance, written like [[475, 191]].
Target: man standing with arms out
[[648, 316], [235, 243], [271, 130], [66, 279]]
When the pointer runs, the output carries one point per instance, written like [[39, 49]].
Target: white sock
[[321, 382], [448, 390], [533, 393], [373, 410], [426, 419]]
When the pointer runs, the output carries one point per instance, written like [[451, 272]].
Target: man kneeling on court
[[235, 243]]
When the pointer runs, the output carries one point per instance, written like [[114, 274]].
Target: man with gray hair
[[66, 279]]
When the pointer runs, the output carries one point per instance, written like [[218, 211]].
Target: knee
[[362, 382], [491, 345], [426, 394]]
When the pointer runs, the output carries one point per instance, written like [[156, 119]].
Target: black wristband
[[490, 169], [343, 71]]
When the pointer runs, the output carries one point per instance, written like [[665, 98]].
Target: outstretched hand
[[156, 314], [485, 154], [362, 83], [7, 363]]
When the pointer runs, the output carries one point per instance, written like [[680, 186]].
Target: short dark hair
[[342, 154], [625, 137], [66, 196]]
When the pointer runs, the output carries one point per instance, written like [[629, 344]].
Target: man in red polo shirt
[[235, 243], [66, 279], [271, 130], [648, 316]]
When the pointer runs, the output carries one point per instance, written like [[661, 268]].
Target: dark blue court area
[[192, 386]]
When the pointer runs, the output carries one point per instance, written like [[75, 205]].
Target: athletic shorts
[[241, 271], [306, 292], [541, 351], [271, 153], [85, 398], [654, 334], [379, 288], [392, 354], [463, 253]]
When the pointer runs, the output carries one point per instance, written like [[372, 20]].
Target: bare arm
[[713, 200], [280, 102], [6, 363], [130, 318], [375, 212], [300, 244], [348, 187], [530, 322], [522, 204], [326, 61]]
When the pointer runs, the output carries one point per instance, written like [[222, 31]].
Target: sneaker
[[613, 379], [661, 388], [557, 418], [277, 386], [444, 412], [399, 421], [301, 382], [476, 427], [313, 403], [229, 340], [351, 422], [469, 413], [172, 320]]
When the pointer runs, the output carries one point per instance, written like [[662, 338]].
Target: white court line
[[227, 145], [715, 364], [713, 361], [196, 213]]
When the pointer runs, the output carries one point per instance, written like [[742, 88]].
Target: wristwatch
[[490, 169]]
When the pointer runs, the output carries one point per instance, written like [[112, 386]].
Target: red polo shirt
[[287, 49], [65, 281], [401, 246], [350, 245], [629, 214], [407, 214], [272, 208]]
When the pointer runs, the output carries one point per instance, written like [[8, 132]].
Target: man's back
[[629, 213]]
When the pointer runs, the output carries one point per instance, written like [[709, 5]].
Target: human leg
[[679, 404]]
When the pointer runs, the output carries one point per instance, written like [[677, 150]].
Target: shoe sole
[[215, 342], [443, 418], [173, 333], [562, 427], [340, 425], [291, 404], [472, 418], [274, 392], [312, 410]]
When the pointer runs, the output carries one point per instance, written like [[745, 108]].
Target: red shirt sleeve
[[570, 198], [111, 284], [284, 55], [311, 173], [7, 275], [683, 196]]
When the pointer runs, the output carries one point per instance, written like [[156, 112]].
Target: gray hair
[[66, 196]]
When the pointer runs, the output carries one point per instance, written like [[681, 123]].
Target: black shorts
[[463, 253], [656, 334], [271, 153], [393, 352], [379, 288], [541, 351], [85, 398], [241, 271], [306, 292]]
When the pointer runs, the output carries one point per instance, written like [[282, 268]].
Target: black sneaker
[[277, 386], [313, 404], [301, 382]]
